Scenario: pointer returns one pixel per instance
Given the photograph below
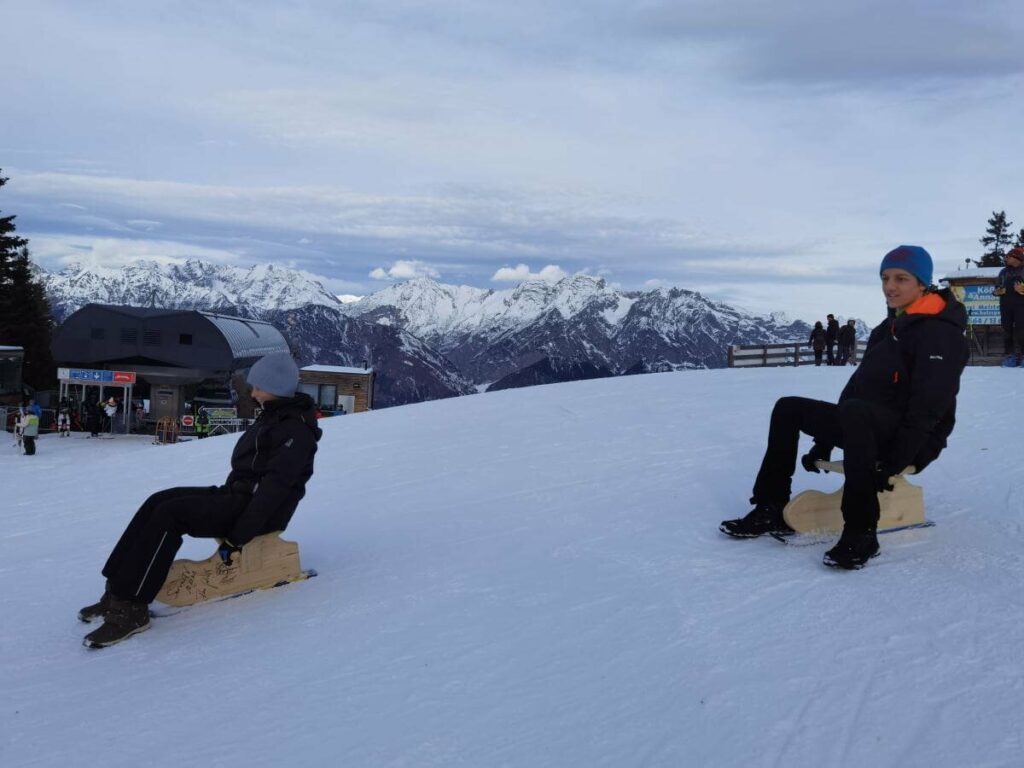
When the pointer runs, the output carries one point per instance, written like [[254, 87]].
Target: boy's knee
[[787, 405]]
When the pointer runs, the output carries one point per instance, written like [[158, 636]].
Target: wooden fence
[[795, 353]]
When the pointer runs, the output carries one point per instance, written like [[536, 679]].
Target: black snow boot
[[762, 519], [97, 610], [853, 550], [123, 619]]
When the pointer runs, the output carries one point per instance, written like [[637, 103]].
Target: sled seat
[[819, 512], [264, 562]]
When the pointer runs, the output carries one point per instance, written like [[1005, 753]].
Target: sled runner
[[265, 562], [818, 512]]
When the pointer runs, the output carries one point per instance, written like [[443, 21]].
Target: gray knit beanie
[[275, 373]]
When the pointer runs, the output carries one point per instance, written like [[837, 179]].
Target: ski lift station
[[174, 353]]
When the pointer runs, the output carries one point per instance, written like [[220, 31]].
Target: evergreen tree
[[997, 239], [1019, 241], [25, 319]]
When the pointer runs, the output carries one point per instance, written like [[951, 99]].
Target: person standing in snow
[[270, 466], [847, 338], [1010, 290], [64, 419], [109, 412], [817, 342], [897, 410], [831, 336], [29, 431]]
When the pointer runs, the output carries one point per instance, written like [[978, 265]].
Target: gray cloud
[[860, 41]]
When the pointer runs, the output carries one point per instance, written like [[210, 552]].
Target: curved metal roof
[[248, 338], [181, 338]]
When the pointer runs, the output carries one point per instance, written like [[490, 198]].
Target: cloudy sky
[[765, 153]]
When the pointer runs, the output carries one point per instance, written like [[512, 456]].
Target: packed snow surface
[[533, 577]]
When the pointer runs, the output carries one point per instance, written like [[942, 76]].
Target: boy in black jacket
[[897, 410], [270, 466]]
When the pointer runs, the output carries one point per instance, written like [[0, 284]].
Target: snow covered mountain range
[[430, 340]]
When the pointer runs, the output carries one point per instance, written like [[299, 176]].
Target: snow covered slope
[[531, 578]]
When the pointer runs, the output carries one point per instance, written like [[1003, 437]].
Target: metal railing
[[794, 353]]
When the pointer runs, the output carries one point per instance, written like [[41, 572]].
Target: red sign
[[124, 377], [187, 421]]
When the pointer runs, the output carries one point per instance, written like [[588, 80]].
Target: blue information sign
[[87, 374]]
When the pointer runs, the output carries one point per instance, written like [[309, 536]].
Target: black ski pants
[[831, 351], [844, 354], [138, 565], [30, 445], [1011, 315], [859, 427]]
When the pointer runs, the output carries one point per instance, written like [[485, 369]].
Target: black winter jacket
[[912, 365], [273, 459], [1007, 278], [847, 336], [832, 331], [817, 339]]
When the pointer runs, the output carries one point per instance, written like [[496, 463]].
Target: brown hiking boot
[[123, 619], [97, 610]]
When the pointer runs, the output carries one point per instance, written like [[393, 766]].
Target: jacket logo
[[935, 357], [288, 443]]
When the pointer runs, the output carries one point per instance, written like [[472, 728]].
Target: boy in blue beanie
[[897, 410], [270, 465]]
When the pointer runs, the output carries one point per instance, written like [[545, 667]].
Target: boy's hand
[[882, 476]]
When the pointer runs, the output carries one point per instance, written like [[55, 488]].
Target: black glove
[[817, 453], [226, 550], [882, 475]]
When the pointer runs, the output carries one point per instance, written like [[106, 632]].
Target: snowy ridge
[[533, 578], [456, 338], [192, 285]]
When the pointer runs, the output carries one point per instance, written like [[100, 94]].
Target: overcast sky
[[766, 154]]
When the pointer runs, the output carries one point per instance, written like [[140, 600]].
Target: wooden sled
[[266, 561], [819, 512]]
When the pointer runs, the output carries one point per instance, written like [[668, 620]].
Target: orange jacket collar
[[929, 304]]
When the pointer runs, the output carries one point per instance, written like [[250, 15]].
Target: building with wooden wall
[[334, 387]]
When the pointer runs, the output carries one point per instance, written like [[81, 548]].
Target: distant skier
[[817, 342], [1010, 290], [202, 424], [847, 339], [109, 412], [270, 466], [64, 419], [897, 410], [29, 431], [831, 337]]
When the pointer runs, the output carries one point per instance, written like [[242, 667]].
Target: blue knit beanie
[[913, 258], [275, 373]]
